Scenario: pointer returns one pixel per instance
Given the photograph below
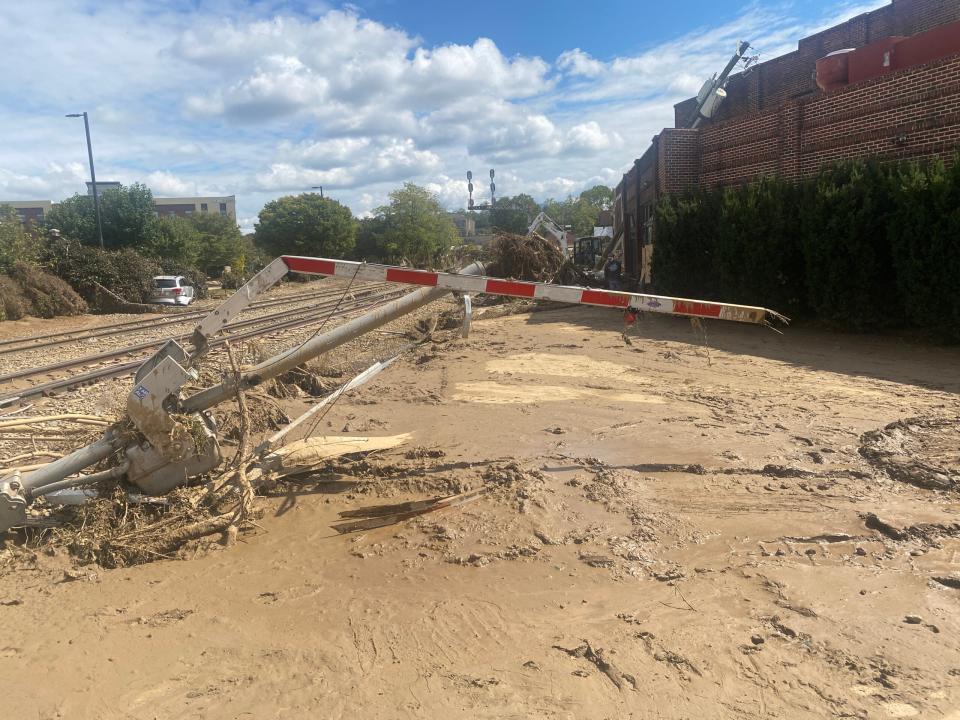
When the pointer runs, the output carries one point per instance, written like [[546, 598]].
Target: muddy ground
[[674, 530]]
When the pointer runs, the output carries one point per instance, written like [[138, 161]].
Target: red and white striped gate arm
[[476, 284]]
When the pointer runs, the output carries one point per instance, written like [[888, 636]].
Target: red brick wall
[[792, 76], [910, 114], [679, 162]]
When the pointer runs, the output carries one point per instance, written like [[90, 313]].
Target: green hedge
[[124, 272], [862, 246]]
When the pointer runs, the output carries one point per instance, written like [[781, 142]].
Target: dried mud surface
[[768, 529]]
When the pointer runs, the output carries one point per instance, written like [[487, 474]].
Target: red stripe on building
[[310, 265], [686, 307], [508, 287], [599, 297], [411, 277]]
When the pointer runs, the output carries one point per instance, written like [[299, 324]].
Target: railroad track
[[13, 345], [360, 301]]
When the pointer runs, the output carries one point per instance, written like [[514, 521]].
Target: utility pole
[[93, 174]]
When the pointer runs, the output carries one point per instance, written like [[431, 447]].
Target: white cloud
[[164, 183], [578, 62], [262, 101]]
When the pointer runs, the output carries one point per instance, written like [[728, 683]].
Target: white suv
[[171, 290]]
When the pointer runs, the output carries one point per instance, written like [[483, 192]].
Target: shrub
[[862, 246], [849, 270], [232, 280], [924, 234], [124, 272], [47, 294]]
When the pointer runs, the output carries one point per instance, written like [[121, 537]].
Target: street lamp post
[[318, 187], [93, 174]]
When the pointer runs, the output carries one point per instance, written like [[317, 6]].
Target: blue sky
[[266, 98], [605, 29]]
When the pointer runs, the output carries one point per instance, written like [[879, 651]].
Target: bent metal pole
[[320, 344]]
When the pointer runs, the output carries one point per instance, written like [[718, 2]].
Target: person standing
[[611, 273]]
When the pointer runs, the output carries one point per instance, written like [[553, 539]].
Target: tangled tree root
[[532, 258], [302, 380]]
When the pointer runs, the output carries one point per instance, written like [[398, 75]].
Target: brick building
[[36, 210], [898, 99]]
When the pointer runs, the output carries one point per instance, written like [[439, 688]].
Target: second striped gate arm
[[482, 285]]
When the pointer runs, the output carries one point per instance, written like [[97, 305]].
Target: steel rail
[[127, 349], [117, 370], [64, 337]]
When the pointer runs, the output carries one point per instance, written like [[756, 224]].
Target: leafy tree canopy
[[414, 228], [580, 213], [16, 244], [306, 224], [127, 215], [514, 214]]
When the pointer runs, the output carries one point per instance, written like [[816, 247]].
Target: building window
[[203, 207], [188, 212], [223, 208]]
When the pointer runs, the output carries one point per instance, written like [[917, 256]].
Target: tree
[[127, 214], [220, 243], [412, 228], [580, 214], [599, 196], [16, 244], [514, 214], [306, 224], [175, 242]]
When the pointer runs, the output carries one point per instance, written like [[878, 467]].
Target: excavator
[[544, 221]]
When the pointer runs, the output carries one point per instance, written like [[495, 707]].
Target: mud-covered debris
[[918, 451], [264, 411], [302, 380], [420, 453], [597, 561], [950, 581], [599, 658]]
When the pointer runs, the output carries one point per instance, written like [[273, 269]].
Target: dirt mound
[[13, 304], [918, 451], [39, 293]]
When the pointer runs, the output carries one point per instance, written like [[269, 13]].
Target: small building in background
[[182, 207], [30, 211], [102, 186], [466, 224]]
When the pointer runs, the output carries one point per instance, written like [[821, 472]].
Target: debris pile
[[532, 258]]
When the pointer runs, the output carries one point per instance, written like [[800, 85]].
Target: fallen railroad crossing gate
[[636, 302], [174, 439]]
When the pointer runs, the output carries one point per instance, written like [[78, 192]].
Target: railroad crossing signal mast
[[493, 192]]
